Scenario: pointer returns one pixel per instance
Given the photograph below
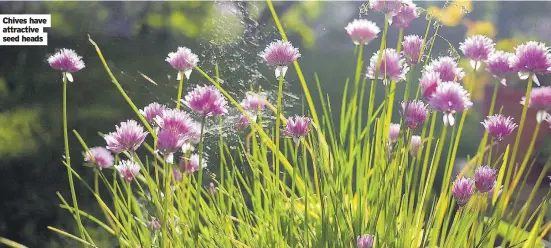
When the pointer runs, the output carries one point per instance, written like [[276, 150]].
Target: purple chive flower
[[207, 101], [179, 122], [192, 164], [450, 98], [406, 14], [212, 188], [169, 141], [362, 31], [447, 68], [499, 126], [393, 132], [499, 65], [477, 48], [177, 174], [280, 54], [183, 60], [128, 169], [67, 61], [414, 145], [540, 99], [415, 113], [154, 224], [243, 123], [388, 7], [393, 66], [297, 127], [253, 102], [365, 241], [462, 190], [128, 137], [532, 57], [412, 48], [429, 82], [99, 156], [485, 178], [152, 111]]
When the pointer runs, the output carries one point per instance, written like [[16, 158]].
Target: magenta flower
[[412, 48], [154, 224], [532, 58], [393, 132], [127, 137], [152, 111], [128, 169], [447, 68], [365, 241], [362, 31], [253, 102], [499, 65], [183, 60], [207, 101], [393, 66], [414, 145], [450, 98], [388, 7], [280, 54], [243, 122], [297, 127], [462, 190], [177, 174], [485, 178], [499, 126], [67, 61], [99, 156], [477, 48], [429, 82], [406, 14], [169, 141], [415, 113], [179, 122], [540, 99], [192, 164]]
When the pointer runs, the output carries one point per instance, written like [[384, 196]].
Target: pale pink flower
[[253, 102], [183, 60], [393, 132], [388, 7], [191, 164], [532, 58], [415, 112], [362, 31], [447, 68], [152, 111], [280, 54], [393, 67], [128, 169], [67, 61], [99, 156], [406, 14], [499, 126], [207, 101], [477, 48], [429, 82], [463, 190], [297, 127], [450, 98], [169, 141], [540, 100], [414, 145], [365, 241], [128, 137], [412, 45], [179, 122], [499, 65], [485, 178]]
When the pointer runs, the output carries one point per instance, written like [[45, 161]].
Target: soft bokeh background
[[137, 36]]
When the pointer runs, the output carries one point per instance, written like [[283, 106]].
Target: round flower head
[[178, 122], [192, 164], [450, 98], [406, 14], [362, 31], [393, 66], [462, 190], [128, 169], [207, 101], [540, 99], [477, 48], [447, 68], [152, 111], [429, 82], [128, 137], [280, 54], [99, 156], [388, 7], [169, 142], [499, 65], [253, 102], [412, 48], [532, 57], [499, 126], [297, 127], [393, 132], [183, 60], [415, 113], [414, 145], [67, 61], [243, 122], [485, 178], [365, 241]]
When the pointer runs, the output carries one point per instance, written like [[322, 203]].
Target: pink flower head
[[462, 190], [152, 111], [499, 126], [183, 60], [169, 141], [128, 169], [540, 99], [412, 48], [429, 82], [393, 66], [128, 137], [207, 101], [406, 14], [177, 174], [154, 224], [243, 122], [499, 65], [192, 164], [450, 98], [415, 113], [362, 31], [297, 127], [280, 54], [253, 102], [388, 7], [67, 61], [179, 122], [447, 68], [532, 57], [414, 145], [485, 178], [393, 132], [365, 241], [99, 156], [477, 48]]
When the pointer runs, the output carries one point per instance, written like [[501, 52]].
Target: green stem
[[199, 181], [277, 125], [180, 89], [490, 112], [521, 123]]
